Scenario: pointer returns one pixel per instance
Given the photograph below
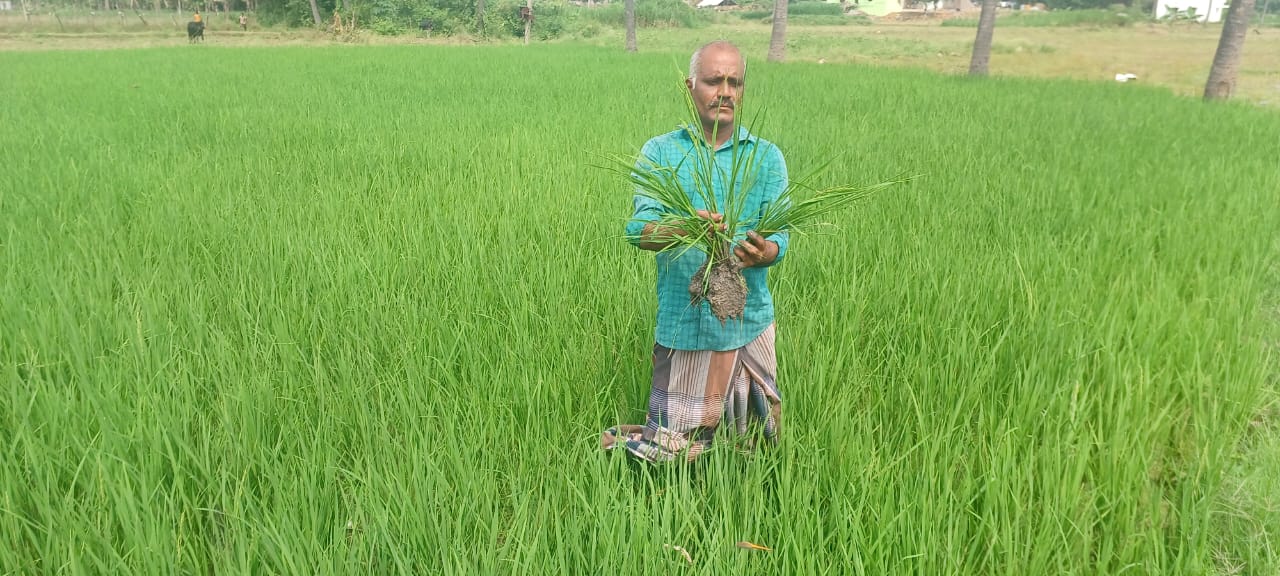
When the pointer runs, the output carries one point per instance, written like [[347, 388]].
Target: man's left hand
[[756, 251]]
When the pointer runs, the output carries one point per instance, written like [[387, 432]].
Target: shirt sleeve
[[643, 208], [776, 181]]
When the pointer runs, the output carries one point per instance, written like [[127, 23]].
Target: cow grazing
[[195, 30]]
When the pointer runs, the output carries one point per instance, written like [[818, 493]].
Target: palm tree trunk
[[480, 16], [315, 13], [528, 22], [630, 9], [778, 40], [1226, 61], [982, 44]]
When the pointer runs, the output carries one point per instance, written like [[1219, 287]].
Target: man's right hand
[[656, 237]]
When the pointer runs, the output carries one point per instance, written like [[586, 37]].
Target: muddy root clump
[[725, 290]]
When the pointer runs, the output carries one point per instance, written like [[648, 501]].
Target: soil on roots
[[725, 289]]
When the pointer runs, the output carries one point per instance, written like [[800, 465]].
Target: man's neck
[[722, 134]]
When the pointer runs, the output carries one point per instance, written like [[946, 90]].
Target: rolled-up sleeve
[[776, 181], [643, 208]]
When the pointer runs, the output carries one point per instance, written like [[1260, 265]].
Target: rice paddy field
[[366, 310]]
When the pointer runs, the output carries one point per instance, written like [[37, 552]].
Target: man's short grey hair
[[696, 60]]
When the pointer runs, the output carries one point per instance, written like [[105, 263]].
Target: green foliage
[[550, 18], [764, 12], [1057, 5], [387, 27], [813, 9], [649, 14], [587, 29], [387, 17], [396, 17], [293, 13], [815, 20]]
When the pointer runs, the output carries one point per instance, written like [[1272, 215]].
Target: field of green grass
[[367, 309], [1099, 18], [1118, 17]]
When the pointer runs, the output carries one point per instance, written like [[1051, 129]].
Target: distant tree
[[480, 17], [978, 64], [526, 14], [315, 12], [778, 39], [1226, 61]]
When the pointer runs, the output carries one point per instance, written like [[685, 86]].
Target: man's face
[[718, 89]]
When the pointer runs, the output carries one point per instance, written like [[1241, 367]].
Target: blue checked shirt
[[682, 326]]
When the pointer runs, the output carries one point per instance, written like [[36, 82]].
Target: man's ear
[[688, 83]]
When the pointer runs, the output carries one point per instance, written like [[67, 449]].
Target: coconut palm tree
[[630, 11], [315, 13], [778, 40], [1226, 61], [982, 44]]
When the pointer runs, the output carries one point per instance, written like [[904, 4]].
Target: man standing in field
[[705, 370]]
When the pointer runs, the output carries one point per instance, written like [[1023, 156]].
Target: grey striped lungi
[[694, 391]]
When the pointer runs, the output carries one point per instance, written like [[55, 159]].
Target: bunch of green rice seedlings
[[799, 208]]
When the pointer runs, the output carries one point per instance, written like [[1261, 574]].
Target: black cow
[[195, 30]]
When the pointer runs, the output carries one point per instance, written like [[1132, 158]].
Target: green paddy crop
[[367, 310]]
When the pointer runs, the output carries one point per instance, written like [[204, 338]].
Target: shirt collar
[[744, 135]]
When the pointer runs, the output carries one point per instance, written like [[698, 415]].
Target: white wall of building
[[1206, 10]]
